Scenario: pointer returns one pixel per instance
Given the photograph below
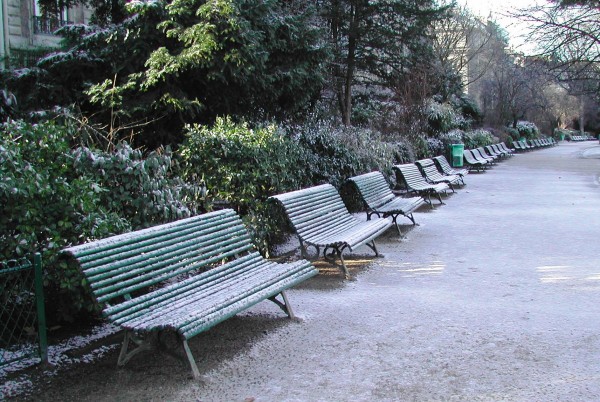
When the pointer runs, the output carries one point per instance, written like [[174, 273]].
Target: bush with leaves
[[443, 117], [239, 164], [242, 166], [527, 130], [334, 153], [45, 206], [478, 138], [140, 188]]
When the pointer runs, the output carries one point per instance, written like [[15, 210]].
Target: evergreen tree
[[375, 42]]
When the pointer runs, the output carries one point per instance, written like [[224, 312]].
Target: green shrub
[[240, 165], [478, 138], [333, 154], [527, 129], [46, 206], [141, 189], [443, 117]]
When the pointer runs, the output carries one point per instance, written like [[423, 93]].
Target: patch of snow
[[58, 357]]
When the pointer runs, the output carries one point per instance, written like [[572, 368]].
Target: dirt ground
[[492, 297]]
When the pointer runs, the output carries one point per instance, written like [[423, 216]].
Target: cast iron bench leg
[[142, 345], [285, 305]]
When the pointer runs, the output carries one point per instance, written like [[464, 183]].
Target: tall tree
[[187, 61], [568, 34], [465, 48], [375, 42]]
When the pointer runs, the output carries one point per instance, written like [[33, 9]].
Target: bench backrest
[[492, 150], [482, 152], [411, 175], [374, 189], [468, 155], [311, 209], [443, 164], [119, 266], [429, 169]]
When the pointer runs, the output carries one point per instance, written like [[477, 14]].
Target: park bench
[[443, 165], [321, 220], [378, 198], [518, 146], [495, 151], [473, 162], [480, 152], [525, 145], [499, 149], [433, 175], [411, 176], [503, 147], [182, 277]]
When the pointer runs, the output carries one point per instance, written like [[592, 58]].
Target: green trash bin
[[457, 154]]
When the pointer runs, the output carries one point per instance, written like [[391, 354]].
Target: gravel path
[[494, 296]]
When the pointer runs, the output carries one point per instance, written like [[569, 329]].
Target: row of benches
[[528, 145], [583, 138], [186, 276], [484, 157]]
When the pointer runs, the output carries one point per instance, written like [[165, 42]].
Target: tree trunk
[[350, 65]]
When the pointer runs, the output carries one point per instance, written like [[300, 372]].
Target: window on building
[[46, 22]]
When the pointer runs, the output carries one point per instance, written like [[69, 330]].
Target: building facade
[[26, 32]]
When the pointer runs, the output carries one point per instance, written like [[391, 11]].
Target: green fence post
[[41, 311]]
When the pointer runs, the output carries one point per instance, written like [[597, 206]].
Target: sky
[[499, 10]]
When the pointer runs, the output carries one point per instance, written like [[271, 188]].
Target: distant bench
[[185, 277], [321, 220], [379, 199]]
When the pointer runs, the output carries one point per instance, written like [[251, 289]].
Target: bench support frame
[[336, 252], [394, 216], [152, 339]]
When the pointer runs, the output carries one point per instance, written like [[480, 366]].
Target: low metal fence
[[22, 313]]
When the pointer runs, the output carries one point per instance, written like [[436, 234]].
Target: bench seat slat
[[162, 276], [126, 253], [108, 272], [221, 315], [131, 307], [190, 307]]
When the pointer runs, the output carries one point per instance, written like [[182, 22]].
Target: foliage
[[174, 62], [527, 130], [332, 154], [435, 146], [375, 43], [240, 164], [478, 138], [45, 206], [139, 188], [442, 117]]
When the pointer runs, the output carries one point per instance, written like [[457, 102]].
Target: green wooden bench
[[379, 200], [414, 182], [433, 175], [442, 163], [182, 277], [320, 219]]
